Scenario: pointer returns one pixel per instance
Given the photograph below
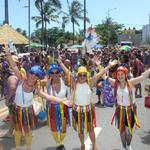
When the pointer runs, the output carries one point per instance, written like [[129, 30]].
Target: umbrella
[[76, 46], [35, 45], [125, 48], [97, 46]]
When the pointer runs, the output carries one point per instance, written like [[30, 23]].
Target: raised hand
[[97, 60], [113, 63], [59, 59], [6, 49]]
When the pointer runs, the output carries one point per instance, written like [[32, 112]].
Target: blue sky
[[131, 13]]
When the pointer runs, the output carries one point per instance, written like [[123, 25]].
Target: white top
[[22, 98], [123, 98], [62, 93], [83, 94]]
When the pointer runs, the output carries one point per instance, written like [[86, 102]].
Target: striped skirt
[[125, 116], [84, 118], [58, 117], [23, 118]]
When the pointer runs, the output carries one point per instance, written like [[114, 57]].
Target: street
[[107, 135]]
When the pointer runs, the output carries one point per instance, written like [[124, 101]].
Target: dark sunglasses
[[57, 72], [82, 75]]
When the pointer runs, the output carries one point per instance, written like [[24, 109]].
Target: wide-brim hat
[[82, 69]]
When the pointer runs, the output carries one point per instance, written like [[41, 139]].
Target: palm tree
[[48, 11], [65, 20], [76, 12]]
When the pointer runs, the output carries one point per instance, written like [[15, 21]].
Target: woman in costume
[[58, 115], [23, 113], [125, 114], [84, 117]]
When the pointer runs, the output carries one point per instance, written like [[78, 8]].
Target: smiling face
[[82, 77], [121, 76], [32, 79], [55, 74]]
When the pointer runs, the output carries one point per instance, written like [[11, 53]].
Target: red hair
[[123, 69]]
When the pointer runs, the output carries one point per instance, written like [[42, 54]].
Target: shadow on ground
[[146, 138], [50, 148]]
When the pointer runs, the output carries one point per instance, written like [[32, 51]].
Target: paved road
[[107, 134]]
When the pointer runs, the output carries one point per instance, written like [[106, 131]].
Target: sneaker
[[60, 147], [129, 147], [98, 103]]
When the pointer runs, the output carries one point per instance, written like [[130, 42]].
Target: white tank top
[[123, 98], [22, 98], [83, 94], [62, 93]]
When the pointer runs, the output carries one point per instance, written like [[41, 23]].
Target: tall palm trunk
[[45, 35], [73, 31], [42, 15], [6, 13]]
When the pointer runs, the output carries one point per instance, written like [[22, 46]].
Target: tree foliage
[[108, 31], [55, 36]]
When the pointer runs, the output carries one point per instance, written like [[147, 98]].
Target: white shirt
[[62, 93], [83, 94], [22, 98], [123, 98]]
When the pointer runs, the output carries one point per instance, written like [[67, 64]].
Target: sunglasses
[[82, 75], [57, 72]]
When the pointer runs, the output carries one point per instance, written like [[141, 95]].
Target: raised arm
[[94, 79], [11, 62], [139, 79], [65, 69]]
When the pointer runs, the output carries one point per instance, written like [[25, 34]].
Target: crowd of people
[[63, 74]]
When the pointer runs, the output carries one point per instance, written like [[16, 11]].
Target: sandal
[[82, 147], [94, 148]]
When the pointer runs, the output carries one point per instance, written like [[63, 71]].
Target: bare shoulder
[[12, 77]]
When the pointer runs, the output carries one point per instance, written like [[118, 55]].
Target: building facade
[[146, 32]]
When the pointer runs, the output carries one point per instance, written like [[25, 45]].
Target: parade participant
[[57, 114], [84, 117], [9, 98], [125, 113], [23, 113]]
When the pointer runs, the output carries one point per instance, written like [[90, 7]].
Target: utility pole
[[29, 34], [6, 21]]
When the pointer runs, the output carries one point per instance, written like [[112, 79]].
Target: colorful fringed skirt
[[58, 117], [84, 118], [125, 116], [23, 118]]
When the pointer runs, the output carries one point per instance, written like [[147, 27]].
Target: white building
[[146, 32]]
